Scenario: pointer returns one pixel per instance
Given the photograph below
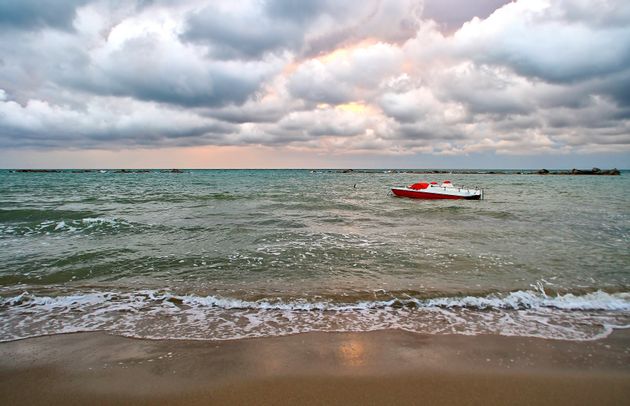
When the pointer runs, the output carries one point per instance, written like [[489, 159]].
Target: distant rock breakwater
[[594, 171]]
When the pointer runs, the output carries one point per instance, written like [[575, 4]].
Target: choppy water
[[231, 254]]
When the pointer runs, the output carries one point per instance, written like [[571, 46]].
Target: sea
[[231, 254]]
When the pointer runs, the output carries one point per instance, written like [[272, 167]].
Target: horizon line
[[305, 168]]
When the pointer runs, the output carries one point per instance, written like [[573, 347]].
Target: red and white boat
[[433, 190]]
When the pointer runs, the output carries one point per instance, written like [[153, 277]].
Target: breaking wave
[[161, 314]]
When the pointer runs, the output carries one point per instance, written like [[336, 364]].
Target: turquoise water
[[241, 253]]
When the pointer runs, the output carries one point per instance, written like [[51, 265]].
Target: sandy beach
[[383, 367]]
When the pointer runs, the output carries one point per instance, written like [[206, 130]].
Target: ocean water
[[225, 254]]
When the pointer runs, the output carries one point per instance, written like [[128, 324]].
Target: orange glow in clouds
[[344, 53], [354, 107]]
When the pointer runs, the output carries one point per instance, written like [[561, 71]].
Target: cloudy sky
[[330, 83]]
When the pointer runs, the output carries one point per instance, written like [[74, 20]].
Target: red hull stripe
[[423, 195]]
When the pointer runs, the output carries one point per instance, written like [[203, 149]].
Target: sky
[[315, 84]]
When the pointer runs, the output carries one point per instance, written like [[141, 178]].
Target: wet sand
[[384, 367]]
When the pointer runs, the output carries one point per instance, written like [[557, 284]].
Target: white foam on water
[[84, 225], [598, 300], [160, 314]]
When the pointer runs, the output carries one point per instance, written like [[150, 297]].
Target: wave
[[518, 300], [173, 198], [35, 215], [100, 225], [448, 211], [161, 314], [598, 300]]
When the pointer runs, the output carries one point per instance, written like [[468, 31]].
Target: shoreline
[[380, 367]]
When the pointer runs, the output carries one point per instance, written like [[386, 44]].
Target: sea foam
[[161, 314]]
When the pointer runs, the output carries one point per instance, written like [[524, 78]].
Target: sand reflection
[[352, 353]]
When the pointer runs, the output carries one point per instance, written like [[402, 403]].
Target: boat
[[433, 190]]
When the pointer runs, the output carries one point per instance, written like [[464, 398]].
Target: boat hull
[[424, 194]]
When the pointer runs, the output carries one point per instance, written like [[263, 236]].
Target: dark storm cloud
[[274, 26], [117, 135], [428, 133], [387, 21], [616, 87], [296, 10], [305, 28], [35, 14], [230, 35], [218, 88], [155, 69], [562, 69]]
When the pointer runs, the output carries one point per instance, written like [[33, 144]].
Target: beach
[[381, 367]]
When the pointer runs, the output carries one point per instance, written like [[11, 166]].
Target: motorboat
[[433, 190]]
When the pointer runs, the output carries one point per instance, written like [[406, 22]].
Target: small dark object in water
[[132, 171], [37, 170]]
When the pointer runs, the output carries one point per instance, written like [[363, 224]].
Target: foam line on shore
[[517, 300], [160, 314]]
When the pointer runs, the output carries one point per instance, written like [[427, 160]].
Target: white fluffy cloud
[[346, 75]]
